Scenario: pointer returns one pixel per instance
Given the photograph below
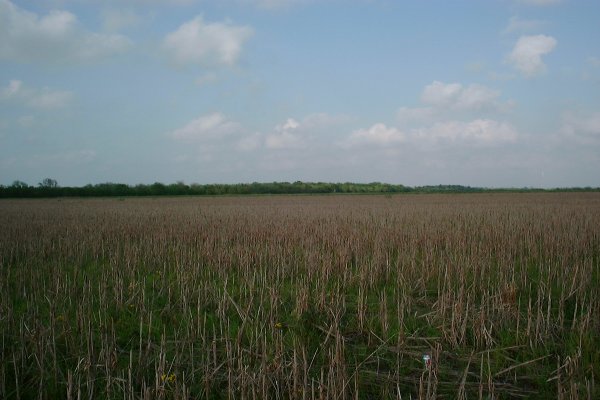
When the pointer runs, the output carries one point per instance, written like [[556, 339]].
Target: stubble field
[[308, 297]]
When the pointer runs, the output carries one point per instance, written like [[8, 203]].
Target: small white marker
[[427, 360]]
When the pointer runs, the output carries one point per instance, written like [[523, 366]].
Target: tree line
[[50, 188]]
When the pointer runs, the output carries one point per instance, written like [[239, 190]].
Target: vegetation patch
[[418, 296]]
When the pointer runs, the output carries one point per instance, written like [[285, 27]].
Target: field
[[275, 297]]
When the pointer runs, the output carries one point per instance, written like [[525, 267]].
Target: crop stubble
[[301, 297]]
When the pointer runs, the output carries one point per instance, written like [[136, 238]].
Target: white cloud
[[286, 136], [199, 42], [476, 97], [527, 54], [378, 134], [437, 121], [44, 98], [456, 96], [289, 125], [56, 37], [205, 127], [441, 94], [12, 90], [294, 134], [475, 132], [283, 140], [479, 131]]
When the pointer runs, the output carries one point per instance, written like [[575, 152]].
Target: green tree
[[19, 185], [48, 183]]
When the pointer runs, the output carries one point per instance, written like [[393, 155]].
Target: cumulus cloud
[[475, 132], [527, 54], [458, 97], [56, 37], [437, 122], [207, 43], [286, 136], [479, 131], [445, 101], [454, 95], [440, 94], [12, 90], [378, 134], [205, 127], [44, 98], [294, 134]]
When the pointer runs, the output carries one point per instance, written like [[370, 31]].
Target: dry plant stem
[[330, 297]]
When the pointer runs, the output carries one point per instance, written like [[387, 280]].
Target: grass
[[301, 297]]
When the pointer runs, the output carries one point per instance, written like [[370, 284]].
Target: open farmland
[[331, 297]]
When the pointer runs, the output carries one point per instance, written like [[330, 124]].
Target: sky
[[498, 93]]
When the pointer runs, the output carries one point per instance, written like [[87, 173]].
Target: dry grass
[[301, 297]]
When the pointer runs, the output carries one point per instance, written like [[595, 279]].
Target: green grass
[[300, 298]]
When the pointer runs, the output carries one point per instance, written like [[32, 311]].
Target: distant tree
[[19, 185], [177, 188], [158, 189], [48, 183]]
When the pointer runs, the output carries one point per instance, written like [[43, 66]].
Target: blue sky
[[502, 93]]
